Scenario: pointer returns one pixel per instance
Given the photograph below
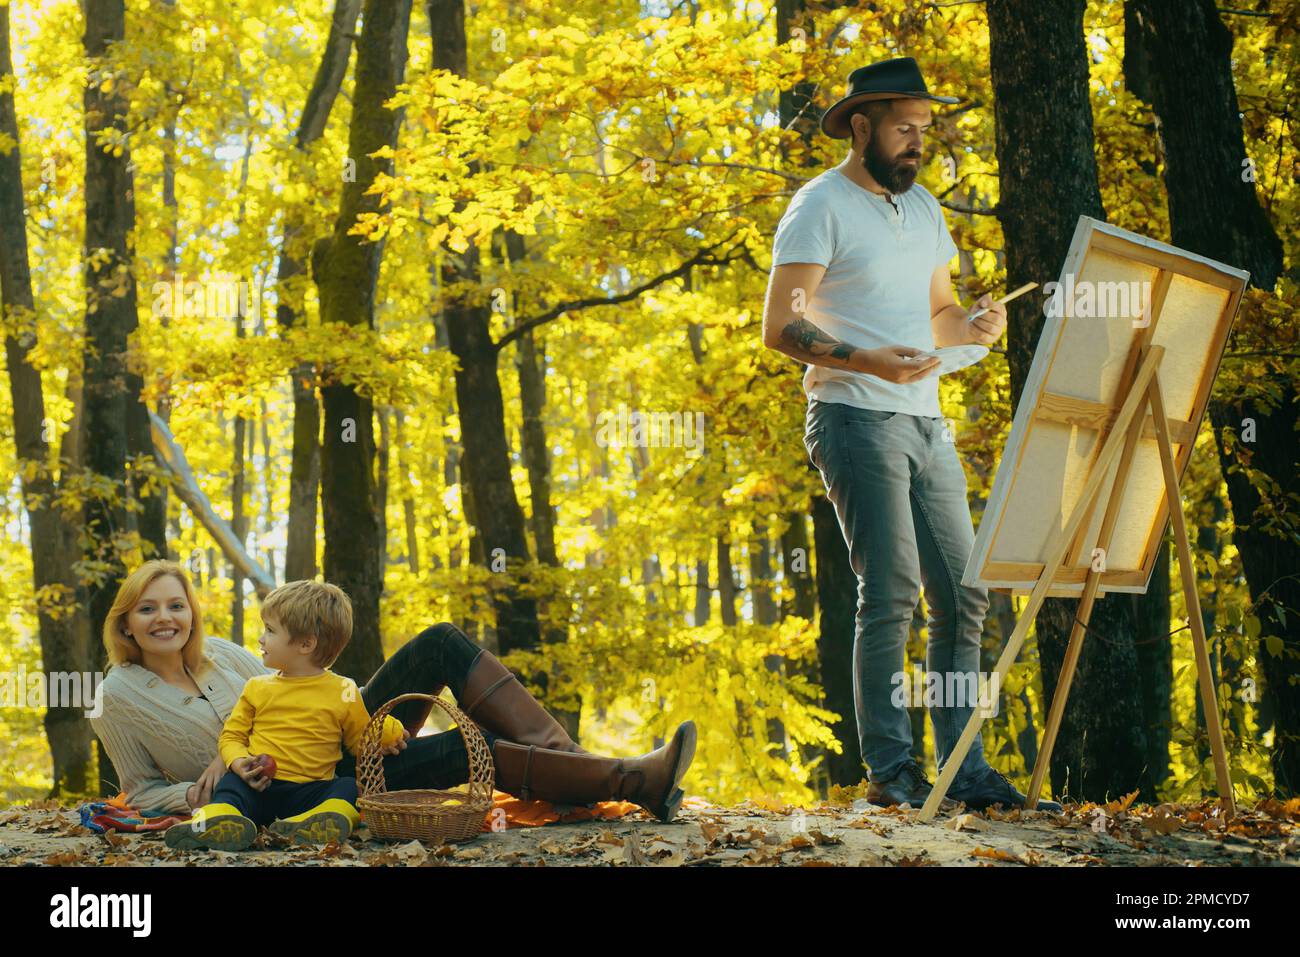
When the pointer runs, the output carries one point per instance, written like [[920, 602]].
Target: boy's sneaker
[[994, 788], [908, 786], [329, 822], [218, 826]]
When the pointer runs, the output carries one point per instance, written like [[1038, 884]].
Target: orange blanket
[[519, 813]]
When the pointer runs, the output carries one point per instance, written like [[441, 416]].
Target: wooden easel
[[1123, 437]]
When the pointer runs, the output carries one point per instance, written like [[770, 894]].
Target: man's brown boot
[[495, 699], [650, 780]]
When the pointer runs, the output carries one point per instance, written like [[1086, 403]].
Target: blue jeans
[[282, 798], [900, 495]]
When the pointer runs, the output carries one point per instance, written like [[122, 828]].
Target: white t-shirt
[[876, 290]]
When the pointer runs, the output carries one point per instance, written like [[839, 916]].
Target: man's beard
[[895, 175]]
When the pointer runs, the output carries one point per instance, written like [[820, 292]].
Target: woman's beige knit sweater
[[160, 737]]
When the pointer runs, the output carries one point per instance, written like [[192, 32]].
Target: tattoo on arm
[[803, 340]]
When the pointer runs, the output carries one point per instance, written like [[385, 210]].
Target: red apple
[[265, 764]]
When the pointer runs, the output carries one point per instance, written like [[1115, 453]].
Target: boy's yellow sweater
[[299, 721]]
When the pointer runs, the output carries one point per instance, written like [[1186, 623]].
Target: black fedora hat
[[888, 80]]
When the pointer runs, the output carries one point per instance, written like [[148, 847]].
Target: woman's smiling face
[[160, 621]]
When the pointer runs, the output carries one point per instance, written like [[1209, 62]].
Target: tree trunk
[[1214, 211], [801, 599], [837, 596], [382, 482], [346, 270], [726, 581], [795, 105], [1156, 666], [114, 417], [172, 221], [532, 398], [766, 613], [62, 636], [1039, 68], [238, 520], [239, 525], [268, 520], [408, 500], [530, 363], [703, 594], [485, 466], [834, 573], [304, 475]]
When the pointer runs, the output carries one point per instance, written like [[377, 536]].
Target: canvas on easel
[[1101, 438]]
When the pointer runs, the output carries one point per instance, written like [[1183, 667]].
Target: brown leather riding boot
[[495, 699], [650, 780]]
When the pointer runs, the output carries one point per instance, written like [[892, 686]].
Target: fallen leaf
[[917, 860], [1162, 820], [411, 854], [821, 838], [1289, 809], [1121, 805], [993, 853]]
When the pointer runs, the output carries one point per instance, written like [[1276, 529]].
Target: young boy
[[297, 716]]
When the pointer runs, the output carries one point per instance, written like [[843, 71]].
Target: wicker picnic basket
[[424, 815]]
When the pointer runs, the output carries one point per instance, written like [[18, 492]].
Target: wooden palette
[[1120, 292]]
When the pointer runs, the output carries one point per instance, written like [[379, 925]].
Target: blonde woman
[[170, 688]]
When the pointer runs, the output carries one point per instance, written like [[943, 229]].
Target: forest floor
[[850, 833]]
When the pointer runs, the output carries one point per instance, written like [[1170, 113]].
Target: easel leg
[[963, 745], [1062, 693], [1083, 613], [1056, 555], [1209, 700]]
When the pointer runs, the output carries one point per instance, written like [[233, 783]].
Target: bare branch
[[704, 257], [969, 210]]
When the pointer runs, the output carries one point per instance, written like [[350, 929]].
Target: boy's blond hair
[[306, 608]]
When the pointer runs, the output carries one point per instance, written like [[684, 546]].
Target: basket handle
[[370, 764]]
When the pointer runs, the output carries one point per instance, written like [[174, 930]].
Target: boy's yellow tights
[[218, 826], [329, 822]]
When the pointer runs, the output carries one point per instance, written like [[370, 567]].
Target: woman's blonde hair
[[120, 646]]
